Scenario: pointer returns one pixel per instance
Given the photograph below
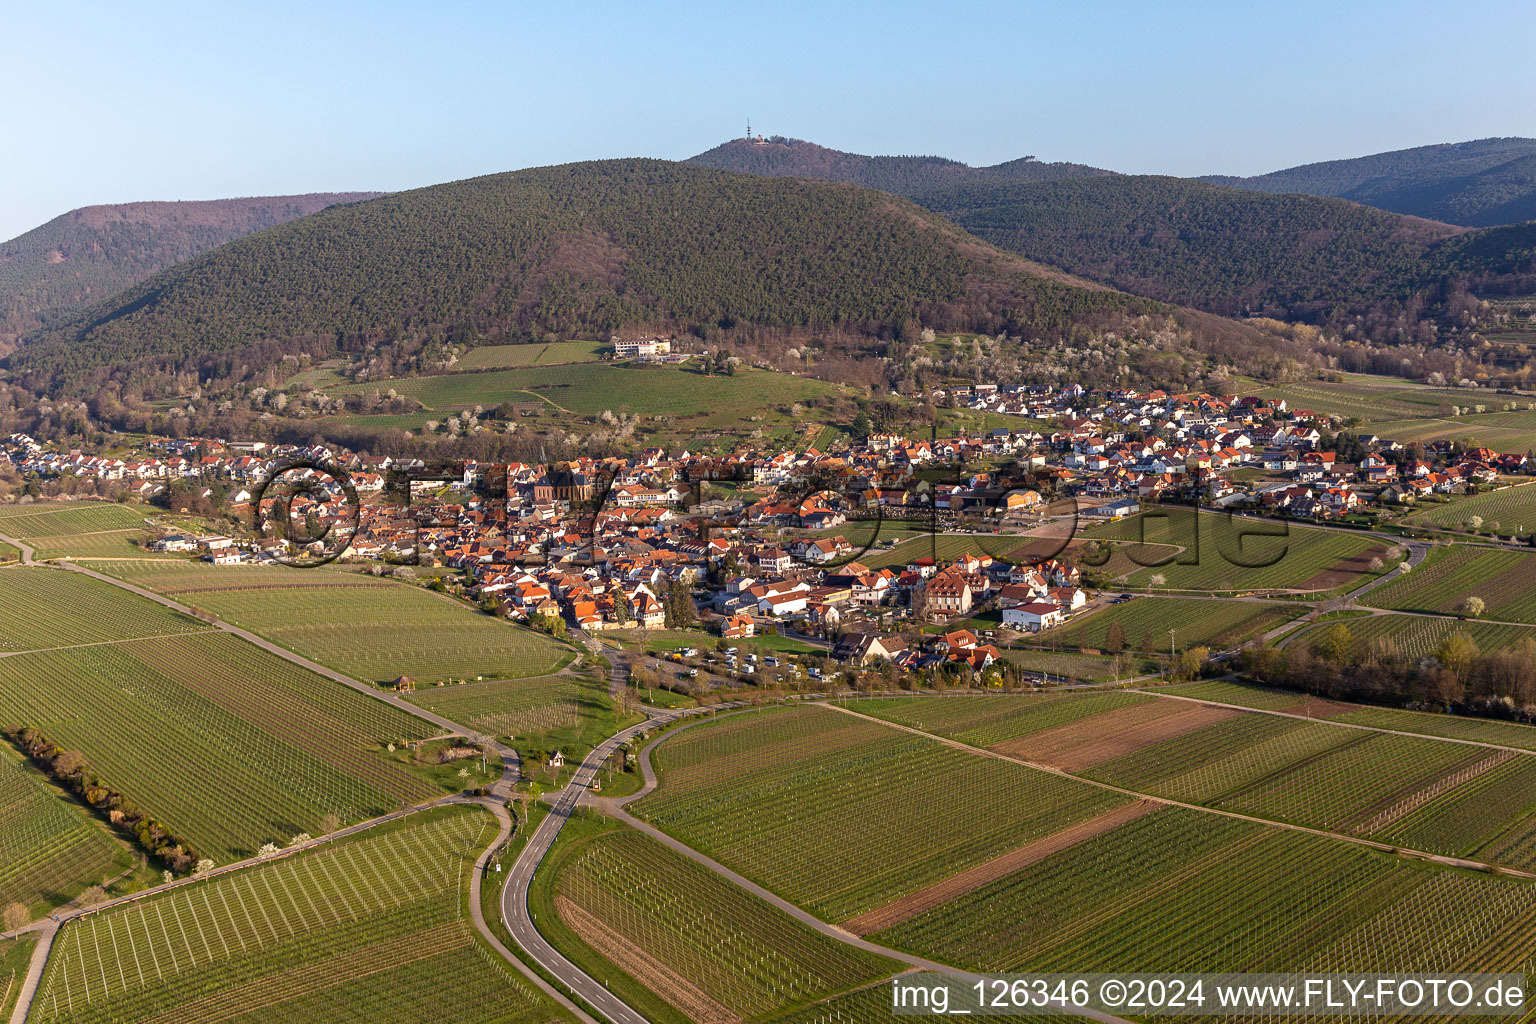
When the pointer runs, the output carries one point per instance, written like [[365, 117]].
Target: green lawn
[[590, 388], [498, 357]]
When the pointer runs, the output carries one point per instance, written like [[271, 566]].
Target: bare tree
[[16, 916]]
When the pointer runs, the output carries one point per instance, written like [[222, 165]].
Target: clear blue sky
[[110, 102]]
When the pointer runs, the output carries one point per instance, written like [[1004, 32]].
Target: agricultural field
[[588, 389], [1182, 890], [1502, 578], [1508, 510], [992, 720], [1347, 787], [42, 608], [1145, 623], [791, 797], [1369, 399], [226, 744], [1423, 723], [567, 713], [1490, 815], [1246, 695], [1421, 635], [1426, 723], [503, 357], [1352, 781], [15, 955], [941, 547], [50, 849], [1086, 668], [370, 629], [79, 529], [369, 928], [1236, 554], [1288, 769], [620, 903], [1225, 756], [1505, 424]]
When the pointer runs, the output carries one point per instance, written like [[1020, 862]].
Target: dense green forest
[[92, 253], [575, 250], [902, 175], [1477, 184], [1230, 252]]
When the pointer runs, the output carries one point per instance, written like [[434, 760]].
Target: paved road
[[504, 820], [615, 808], [514, 897], [1417, 552]]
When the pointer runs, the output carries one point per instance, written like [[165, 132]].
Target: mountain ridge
[[92, 252], [572, 250], [778, 156], [1478, 183]]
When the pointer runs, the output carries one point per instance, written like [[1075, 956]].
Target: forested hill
[[1477, 184], [1191, 243], [902, 175], [575, 250], [94, 252]]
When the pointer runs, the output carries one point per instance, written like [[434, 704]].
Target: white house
[[1034, 617]]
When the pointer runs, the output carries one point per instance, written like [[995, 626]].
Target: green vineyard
[[229, 745], [42, 608], [373, 928], [1182, 890], [50, 849], [789, 797], [985, 721], [1450, 575], [706, 943], [370, 629]]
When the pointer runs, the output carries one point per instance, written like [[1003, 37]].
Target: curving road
[[514, 897], [615, 808]]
